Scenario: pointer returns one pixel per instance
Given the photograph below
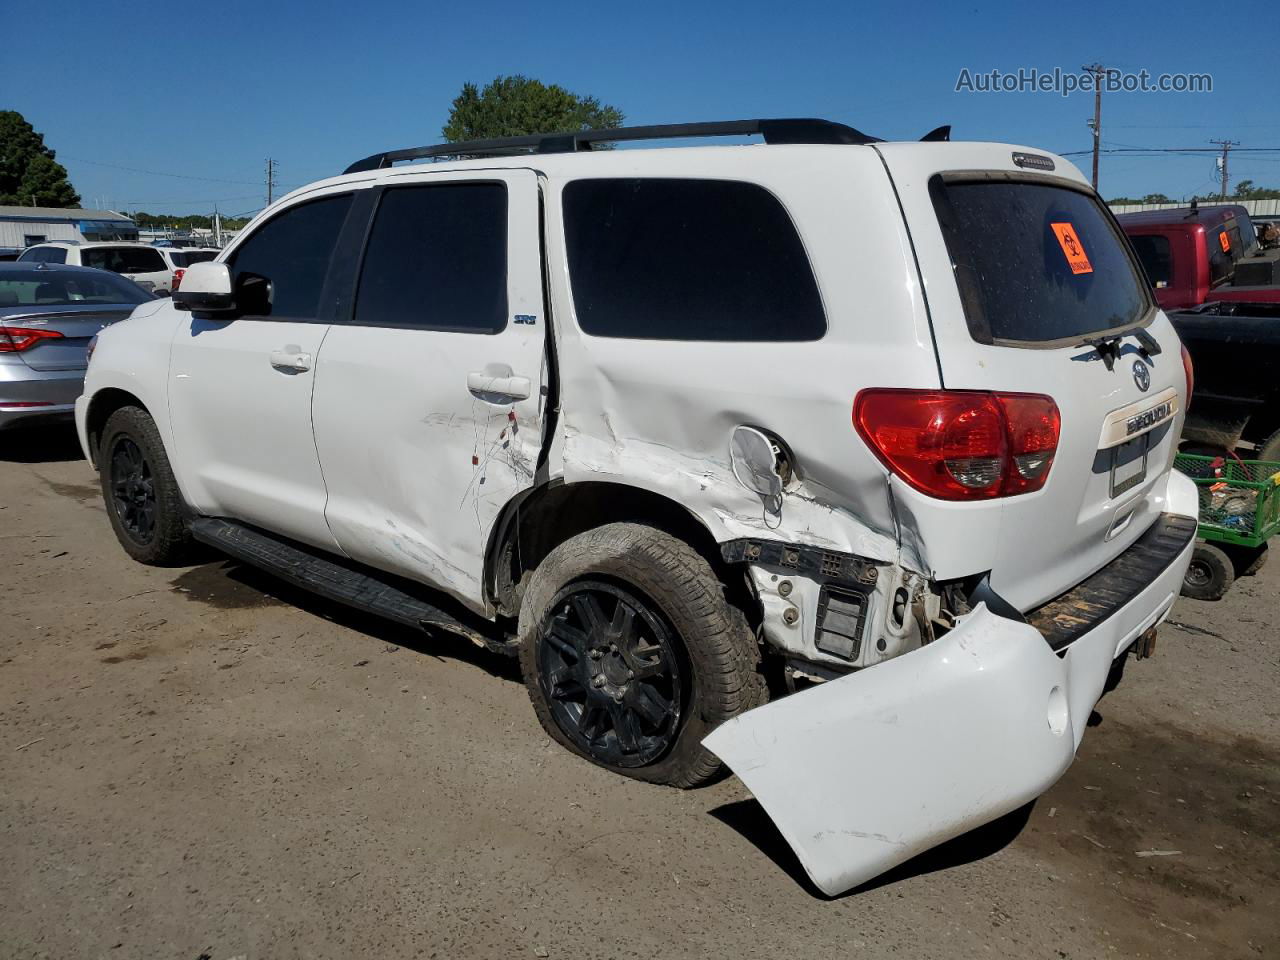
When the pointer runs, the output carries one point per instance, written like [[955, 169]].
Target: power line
[[1173, 150], [271, 179], [158, 173]]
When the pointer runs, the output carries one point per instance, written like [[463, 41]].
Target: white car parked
[[179, 258], [879, 432], [140, 262]]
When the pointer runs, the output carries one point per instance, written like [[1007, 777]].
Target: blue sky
[[210, 90]]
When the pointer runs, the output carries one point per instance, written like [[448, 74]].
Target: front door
[[240, 389], [429, 401]]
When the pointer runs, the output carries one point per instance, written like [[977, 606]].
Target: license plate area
[[1129, 464]]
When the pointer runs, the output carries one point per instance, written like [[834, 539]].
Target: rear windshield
[[123, 259], [33, 288], [185, 258], [1036, 263]]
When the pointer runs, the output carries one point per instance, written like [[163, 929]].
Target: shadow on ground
[[749, 819], [50, 443], [230, 585]]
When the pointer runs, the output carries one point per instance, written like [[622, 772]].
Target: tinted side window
[[688, 260], [123, 259], [280, 270], [1153, 252], [437, 259]]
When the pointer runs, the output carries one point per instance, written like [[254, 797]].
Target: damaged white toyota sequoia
[[843, 462]]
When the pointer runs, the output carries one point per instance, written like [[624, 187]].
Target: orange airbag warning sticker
[[1072, 248], [1224, 241]]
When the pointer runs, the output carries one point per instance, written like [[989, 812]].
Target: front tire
[[631, 654], [140, 492]]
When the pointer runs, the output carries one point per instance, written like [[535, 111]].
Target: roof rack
[[784, 130]]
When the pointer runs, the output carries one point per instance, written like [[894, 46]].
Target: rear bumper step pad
[[1094, 599]]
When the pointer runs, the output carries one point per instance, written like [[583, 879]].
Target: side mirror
[[206, 287]]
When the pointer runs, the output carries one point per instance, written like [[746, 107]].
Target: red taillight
[[1190, 369], [960, 444], [17, 339], [177, 279]]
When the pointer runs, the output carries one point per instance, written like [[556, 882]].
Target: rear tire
[[1210, 574], [140, 492], [631, 654]]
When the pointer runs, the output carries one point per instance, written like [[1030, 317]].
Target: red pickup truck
[[1195, 255], [1220, 286]]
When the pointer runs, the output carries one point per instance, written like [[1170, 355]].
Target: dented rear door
[[429, 395]]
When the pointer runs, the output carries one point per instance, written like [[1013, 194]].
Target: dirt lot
[[201, 763]]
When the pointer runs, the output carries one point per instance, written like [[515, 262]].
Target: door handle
[[290, 360], [489, 387]]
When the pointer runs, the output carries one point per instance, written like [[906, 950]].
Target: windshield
[[39, 288], [1036, 263]]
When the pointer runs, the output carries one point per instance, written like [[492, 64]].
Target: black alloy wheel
[[611, 672], [133, 490]]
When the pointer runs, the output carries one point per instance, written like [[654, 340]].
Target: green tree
[[1245, 190], [1156, 198], [30, 175], [517, 106]]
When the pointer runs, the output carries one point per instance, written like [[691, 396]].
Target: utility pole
[[1226, 146], [271, 180], [1098, 71]]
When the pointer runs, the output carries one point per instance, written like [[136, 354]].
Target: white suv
[[140, 262], [879, 432]]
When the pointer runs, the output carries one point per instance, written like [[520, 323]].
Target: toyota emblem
[[1141, 375]]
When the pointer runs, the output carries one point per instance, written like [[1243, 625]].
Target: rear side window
[[187, 258], [45, 255], [1036, 263], [437, 259], [1153, 254], [123, 259], [280, 270], [688, 260]]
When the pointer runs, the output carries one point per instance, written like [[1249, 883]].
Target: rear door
[[429, 399], [1021, 269]]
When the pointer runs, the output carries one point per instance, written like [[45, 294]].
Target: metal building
[[24, 226]]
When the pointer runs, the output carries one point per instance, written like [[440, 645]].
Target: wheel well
[[104, 404], [530, 528]]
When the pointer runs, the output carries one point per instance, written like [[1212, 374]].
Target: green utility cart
[[1239, 512]]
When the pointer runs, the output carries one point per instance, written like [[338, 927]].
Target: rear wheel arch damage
[[537, 522]]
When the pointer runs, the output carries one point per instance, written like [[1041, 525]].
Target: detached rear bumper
[[865, 772]]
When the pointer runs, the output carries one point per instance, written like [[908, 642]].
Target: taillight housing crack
[[961, 444]]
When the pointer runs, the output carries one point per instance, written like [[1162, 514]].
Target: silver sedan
[[48, 315]]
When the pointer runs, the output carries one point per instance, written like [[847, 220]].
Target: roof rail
[[784, 130]]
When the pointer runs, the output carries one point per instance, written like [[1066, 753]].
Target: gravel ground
[[201, 763]]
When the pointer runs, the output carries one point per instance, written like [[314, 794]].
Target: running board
[[335, 579]]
